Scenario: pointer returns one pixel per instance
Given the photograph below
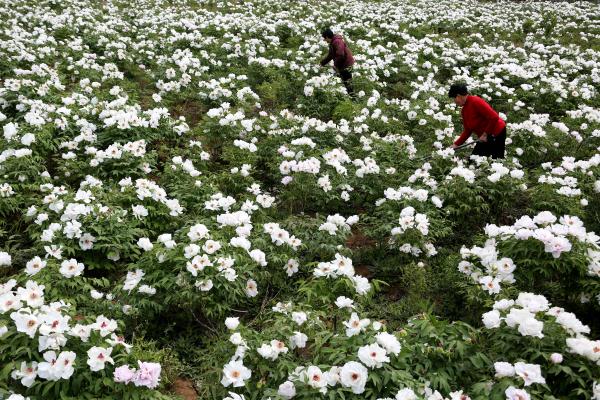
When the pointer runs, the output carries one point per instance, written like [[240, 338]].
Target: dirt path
[[184, 388]]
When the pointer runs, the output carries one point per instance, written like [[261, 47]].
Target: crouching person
[[341, 56], [481, 119]]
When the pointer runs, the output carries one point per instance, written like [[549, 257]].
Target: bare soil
[[184, 388]]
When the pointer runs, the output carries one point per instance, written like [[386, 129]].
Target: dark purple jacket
[[339, 53]]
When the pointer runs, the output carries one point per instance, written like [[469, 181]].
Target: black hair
[[327, 33], [458, 89]]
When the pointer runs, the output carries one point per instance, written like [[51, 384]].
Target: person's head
[[327, 34], [458, 92]]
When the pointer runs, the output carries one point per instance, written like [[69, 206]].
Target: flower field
[[187, 195]]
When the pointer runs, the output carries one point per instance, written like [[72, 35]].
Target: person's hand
[[483, 138], [453, 146]]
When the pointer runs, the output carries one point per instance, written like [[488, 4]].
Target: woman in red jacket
[[341, 56], [479, 118]]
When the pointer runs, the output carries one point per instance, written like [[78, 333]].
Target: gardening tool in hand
[[462, 146]]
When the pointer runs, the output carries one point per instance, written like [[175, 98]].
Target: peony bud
[[232, 322], [556, 358]]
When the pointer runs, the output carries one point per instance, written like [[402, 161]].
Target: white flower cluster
[[521, 317], [557, 236], [6, 190], [521, 314], [562, 175], [410, 219], [404, 192], [342, 266], [585, 347], [118, 114], [218, 201], [467, 174], [337, 222], [322, 82], [10, 135], [187, 165], [309, 166], [495, 270], [116, 151], [234, 119], [498, 171], [132, 279], [251, 147], [224, 87], [428, 394], [145, 188], [50, 325], [352, 374], [365, 167], [423, 175], [337, 158], [529, 373], [280, 236]]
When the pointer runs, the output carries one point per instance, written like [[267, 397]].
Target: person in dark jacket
[[479, 118], [341, 56]]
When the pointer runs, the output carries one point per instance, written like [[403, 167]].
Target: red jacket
[[339, 53], [479, 118]]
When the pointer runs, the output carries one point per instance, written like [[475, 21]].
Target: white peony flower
[[373, 356], [235, 373], [315, 377], [299, 317], [355, 325], [491, 319], [298, 340], [25, 322], [512, 393], [531, 327], [556, 358], [98, 356], [406, 394], [5, 259], [26, 373], [287, 390], [531, 373], [389, 342], [344, 302], [354, 375], [71, 268], [145, 244], [504, 369], [259, 257], [232, 323]]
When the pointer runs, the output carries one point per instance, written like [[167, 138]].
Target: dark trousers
[[346, 75], [494, 146]]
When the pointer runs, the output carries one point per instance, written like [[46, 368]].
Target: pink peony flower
[[147, 375], [124, 374]]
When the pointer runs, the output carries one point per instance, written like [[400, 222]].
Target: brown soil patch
[[395, 293], [363, 270], [357, 240], [191, 109], [184, 388], [305, 353]]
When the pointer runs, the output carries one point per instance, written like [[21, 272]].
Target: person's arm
[[463, 137], [489, 115], [329, 57]]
